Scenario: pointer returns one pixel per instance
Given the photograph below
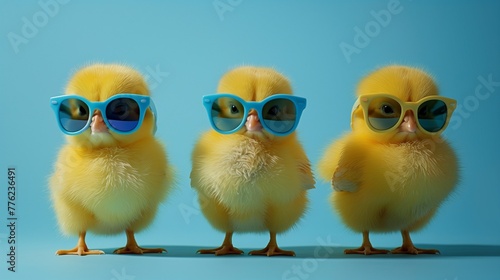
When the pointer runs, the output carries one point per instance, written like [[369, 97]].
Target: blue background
[[189, 44]]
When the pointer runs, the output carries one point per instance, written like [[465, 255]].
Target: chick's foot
[[365, 250], [138, 250], [81, 248], [133, 248], [226, 248], [222, 250], [409, 248], [272, 250], [414, 251]]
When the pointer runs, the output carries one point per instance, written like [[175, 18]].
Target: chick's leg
[[81, 248], [366, 248], [133, 248], [409, 248], [225, 249], [272, 248]]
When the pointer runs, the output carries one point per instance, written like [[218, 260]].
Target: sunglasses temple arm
[[155, 114], [354, 107]]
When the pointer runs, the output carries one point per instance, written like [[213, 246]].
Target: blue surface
[[183, 48]]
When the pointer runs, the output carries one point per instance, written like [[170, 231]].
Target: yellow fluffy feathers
[[106, 182], [251, 181], [390, 181]]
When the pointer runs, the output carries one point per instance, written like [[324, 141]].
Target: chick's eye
[[82, 111], [234, 109], [120, 109], [79, 110], [273, 111], [386, 109]]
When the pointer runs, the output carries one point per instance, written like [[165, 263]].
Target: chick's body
[[399, 186], [258, 185], [392, 181], [107, 182], [251, 181], [110, 189]]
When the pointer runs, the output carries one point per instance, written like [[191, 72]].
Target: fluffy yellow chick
[[251, 180], [108, 182], [392, 172]]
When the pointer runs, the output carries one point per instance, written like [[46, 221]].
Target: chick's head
[[97, 83], [253, 84], [408, 85]]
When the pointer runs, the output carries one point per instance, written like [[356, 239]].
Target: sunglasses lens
[[279, 115], [73, 114], [227, 113], [383, 113], [432, 115], [123, 114]]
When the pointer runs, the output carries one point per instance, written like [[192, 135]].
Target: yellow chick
[[392, 172], [251, 172], [112, 173]]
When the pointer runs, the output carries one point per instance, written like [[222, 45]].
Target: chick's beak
[[409, 123], [98, 125], [253, 122]]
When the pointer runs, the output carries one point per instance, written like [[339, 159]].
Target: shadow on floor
[[329, 252]]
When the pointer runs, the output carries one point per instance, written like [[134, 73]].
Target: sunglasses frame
[[365, 99], [299, 103], [143, 101]]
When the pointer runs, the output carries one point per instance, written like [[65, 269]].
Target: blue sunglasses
[[122, 113], [278, 114]]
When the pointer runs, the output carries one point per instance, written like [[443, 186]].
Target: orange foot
[[272, 250], [226, 248], [409, 248], [81, 248], [366, 250], [133, 248], [222, 250], [138, 250], [413, 250]]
